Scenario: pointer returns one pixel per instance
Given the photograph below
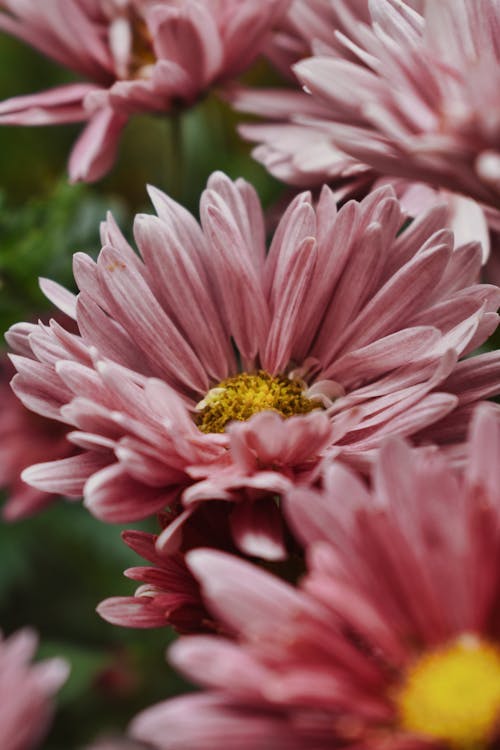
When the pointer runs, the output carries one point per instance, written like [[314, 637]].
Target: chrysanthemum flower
[[208, 369], [139, 56], [421, 100], [25, 438], [26, 692], [391, 640], [295, 142]]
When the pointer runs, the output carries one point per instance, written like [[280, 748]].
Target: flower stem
[[174, 177]]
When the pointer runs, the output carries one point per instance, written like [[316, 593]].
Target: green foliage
[[39, 238]]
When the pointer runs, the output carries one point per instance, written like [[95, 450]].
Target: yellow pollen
[[246, 394], [452, 694]]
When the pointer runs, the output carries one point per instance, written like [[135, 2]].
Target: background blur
[[55, 568]]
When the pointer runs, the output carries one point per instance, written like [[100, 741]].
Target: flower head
[[138, 56], [26, 691], [206, 369], [295, 141], [420, 100], [390, 640]]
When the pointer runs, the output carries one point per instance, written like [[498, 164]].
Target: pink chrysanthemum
[[296, 148], [206, 369], [421, 99], [140, 56], [295, 143], [392, 638], [25, 438], [26, 692]]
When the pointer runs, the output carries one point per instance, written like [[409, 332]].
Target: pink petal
[[95, 151]]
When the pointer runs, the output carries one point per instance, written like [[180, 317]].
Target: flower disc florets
[[243, 395], [453, 693]]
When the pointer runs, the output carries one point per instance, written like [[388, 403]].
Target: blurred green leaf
[[40, 238]]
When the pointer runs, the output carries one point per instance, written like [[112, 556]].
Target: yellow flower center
[[453, 694], [246, 394]]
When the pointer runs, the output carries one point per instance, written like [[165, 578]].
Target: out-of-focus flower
[[296, 143], [209, 369], [26, 691], [392, 638], [25, 438], [421, 98], [140, 56]]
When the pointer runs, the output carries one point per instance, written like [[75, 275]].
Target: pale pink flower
[[421, 100], [295, 142], [392, 639], [209, 370], [25, 438], [26, 691], [139, 56]]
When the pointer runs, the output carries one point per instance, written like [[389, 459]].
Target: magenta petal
[[59, 296], [222, 663]]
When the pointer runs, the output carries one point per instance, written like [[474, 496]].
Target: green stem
[[174, 176]]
